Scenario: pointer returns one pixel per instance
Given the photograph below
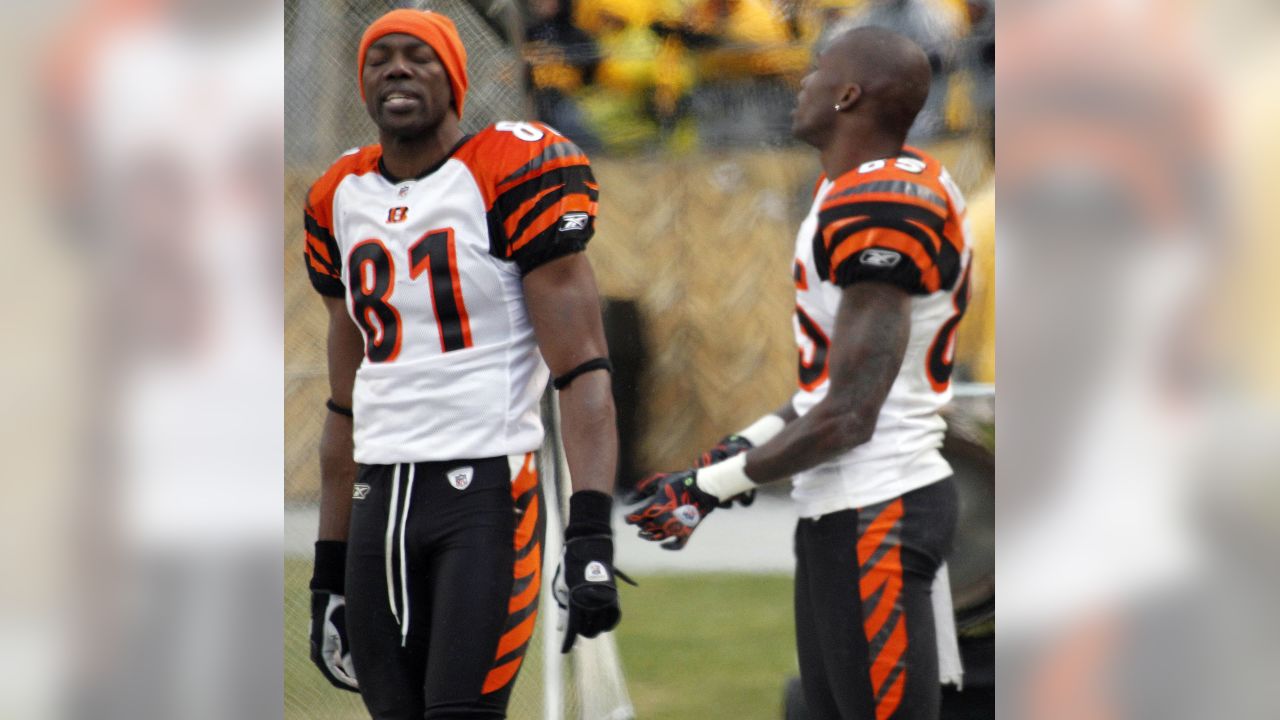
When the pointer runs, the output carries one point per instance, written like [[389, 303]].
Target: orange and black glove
[[673, 505]]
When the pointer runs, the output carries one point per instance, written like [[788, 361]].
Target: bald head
[[892, 71], [878, 78]]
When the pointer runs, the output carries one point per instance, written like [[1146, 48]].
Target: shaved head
[[892, 70], [873, 73]]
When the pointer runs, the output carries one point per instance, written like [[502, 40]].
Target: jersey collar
[[382, 167]]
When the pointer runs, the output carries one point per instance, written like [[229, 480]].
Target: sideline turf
[[708, 647]]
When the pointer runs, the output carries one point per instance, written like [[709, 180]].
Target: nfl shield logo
[[688, 515], [595, 572], [460, 478]]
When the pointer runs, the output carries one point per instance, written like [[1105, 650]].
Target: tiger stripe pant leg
[[522, 607], [867, 640], [486, 571]]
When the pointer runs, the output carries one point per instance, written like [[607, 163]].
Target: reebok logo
[[359, 491], [688, 515], [460, 477], [596, 572], [574, 221], [876, 257]]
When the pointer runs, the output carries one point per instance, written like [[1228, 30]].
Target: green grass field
[[708, 646], [693, 646]]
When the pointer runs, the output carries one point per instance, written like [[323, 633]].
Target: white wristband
[[762, 430], [726, 479]]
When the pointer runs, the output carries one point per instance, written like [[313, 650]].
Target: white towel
[[950, 669]]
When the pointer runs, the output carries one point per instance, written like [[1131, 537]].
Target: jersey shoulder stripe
[[907, 191], [499, 158], [555, 155], [321, 251], [887, 185], [890, 221], [540, 194]]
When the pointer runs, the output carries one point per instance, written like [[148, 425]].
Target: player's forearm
[[337, 476], [337, 446], [588, 428], [824, 433]]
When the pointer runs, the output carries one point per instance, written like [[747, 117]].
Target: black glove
[[673, 507], [729, 446], [330, 650], [584, 585]]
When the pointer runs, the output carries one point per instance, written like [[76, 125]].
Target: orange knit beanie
[[431, 28]]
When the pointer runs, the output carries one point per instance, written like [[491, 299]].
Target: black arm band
[[600, 363], [336, 408], [330, 568]]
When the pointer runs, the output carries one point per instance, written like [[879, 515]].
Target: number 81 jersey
[[430, 268], [898, 221]]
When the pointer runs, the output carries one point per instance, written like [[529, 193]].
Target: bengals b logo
[[397, 214]]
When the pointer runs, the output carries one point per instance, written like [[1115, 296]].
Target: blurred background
[[157, 151]]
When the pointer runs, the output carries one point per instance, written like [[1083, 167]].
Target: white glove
[[330, 650]]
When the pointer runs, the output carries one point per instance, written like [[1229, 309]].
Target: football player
[[453, 271], [881, 272]]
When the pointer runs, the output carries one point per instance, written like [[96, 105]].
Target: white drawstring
[[391, 533], [404, 564]]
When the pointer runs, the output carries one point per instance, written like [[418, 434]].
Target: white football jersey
[[899, 220], [430, 268]]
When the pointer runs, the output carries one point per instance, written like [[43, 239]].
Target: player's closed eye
[[423, 56]]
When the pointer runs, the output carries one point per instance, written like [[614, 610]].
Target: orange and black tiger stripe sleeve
[[322, 256], [545, 209], [886, 230]]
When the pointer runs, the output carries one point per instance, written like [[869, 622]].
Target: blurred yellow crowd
[[632, 67]]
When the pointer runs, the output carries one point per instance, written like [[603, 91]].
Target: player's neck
[[846, 152], [409, 157]]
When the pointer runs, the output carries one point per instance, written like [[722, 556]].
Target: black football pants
[[864, 613], [444, 566]]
